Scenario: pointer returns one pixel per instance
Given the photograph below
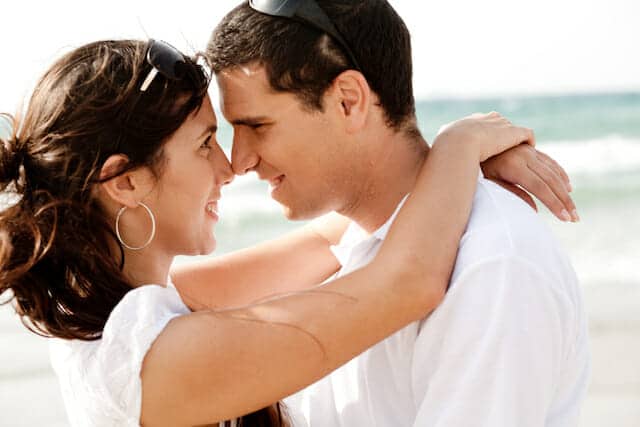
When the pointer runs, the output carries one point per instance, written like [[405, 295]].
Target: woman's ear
[[354, 96], [125, 189]]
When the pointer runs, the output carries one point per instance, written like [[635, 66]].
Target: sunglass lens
[[166, 59], [284, 8]]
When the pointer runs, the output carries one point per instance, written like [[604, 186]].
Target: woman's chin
[[210, 247], [204, 248]]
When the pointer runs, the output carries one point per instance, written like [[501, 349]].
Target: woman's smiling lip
[[212, 209]]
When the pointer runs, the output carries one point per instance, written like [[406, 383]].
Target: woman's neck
[[146, 267]]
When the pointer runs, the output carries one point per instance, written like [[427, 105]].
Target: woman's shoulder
[[107, 371], [143, 307]]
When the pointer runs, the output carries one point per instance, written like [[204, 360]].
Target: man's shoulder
[[504, 227], [500, 213]]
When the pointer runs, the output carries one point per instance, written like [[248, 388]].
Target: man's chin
[[293, 213]]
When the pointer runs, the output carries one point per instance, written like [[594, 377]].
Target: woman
[[122, 133]]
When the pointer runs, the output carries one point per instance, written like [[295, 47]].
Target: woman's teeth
[[212, 208]]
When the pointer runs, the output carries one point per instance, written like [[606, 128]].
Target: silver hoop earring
[[153, 228]]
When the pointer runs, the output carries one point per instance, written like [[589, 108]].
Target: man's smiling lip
[[275, 182], [212, 209]]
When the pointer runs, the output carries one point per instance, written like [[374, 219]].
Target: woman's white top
[[100, 380]]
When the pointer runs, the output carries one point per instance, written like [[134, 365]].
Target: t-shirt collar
[[356, 235]]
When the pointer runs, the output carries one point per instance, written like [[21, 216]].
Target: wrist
[[462, 144]]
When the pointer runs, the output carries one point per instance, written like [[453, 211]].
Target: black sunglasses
[[164, 59], [307, 12]]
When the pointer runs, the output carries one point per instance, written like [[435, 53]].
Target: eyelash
[[207, 143]]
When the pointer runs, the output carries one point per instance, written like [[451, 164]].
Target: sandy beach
[[614, 324]]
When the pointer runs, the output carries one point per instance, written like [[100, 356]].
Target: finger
[[556, 167], [558, 186], [553, 166], [548, 188], [518, 192], [528, 136]]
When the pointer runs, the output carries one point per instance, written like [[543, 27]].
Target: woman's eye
[[207, 143]]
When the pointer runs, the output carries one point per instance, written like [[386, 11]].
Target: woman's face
[[192, 173]]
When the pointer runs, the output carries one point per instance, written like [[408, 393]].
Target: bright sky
[[461, 48]]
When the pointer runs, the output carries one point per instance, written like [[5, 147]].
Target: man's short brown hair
[[304, 61]]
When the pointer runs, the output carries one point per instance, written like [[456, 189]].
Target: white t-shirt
[[507, 347], [100, 380]]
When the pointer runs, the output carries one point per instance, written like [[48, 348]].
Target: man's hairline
[[263, 66]]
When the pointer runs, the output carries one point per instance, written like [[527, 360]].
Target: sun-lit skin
[[342, 159], [195, 170], [183, 198]]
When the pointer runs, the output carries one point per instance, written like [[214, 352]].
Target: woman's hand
[[524, 166], [490, 134], [508, 158]]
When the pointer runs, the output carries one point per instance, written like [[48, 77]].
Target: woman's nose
[[243, 158]]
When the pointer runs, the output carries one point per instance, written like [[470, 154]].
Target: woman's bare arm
[[210, 366], [293, 262]]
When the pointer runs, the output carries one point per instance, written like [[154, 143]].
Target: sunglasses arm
[[149, 79]]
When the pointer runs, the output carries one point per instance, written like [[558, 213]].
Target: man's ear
[[126, 189], [354, 96]]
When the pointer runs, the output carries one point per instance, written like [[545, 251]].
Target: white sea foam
[[610, 154]]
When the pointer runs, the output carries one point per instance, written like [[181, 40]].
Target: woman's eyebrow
[[210, 129]]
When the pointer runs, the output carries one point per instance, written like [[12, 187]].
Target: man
[[321, 102]]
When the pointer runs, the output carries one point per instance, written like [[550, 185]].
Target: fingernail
[[576, 217], [565, 215], [569, 187]]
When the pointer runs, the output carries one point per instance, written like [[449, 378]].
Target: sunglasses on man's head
[[307, 12]]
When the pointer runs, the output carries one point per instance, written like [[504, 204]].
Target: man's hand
[[524, 167]]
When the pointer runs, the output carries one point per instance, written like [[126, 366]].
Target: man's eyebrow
[[249, 121], [210, 129]]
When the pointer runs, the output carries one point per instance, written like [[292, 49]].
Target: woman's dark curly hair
[[55, 261], [87, 107]]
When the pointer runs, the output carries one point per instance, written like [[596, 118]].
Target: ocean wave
[[608, 155]]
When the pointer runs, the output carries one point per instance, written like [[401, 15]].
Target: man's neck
[[390, 175]]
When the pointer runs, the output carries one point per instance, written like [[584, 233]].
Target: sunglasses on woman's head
[[307, 12], [164, 59]]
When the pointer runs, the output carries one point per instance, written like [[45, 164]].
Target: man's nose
[[227, 173], [243, 158]]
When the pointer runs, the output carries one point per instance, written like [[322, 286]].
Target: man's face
[[301, 153]]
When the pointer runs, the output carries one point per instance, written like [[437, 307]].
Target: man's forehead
[[252, 73], [241, 83], [245, 91]]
